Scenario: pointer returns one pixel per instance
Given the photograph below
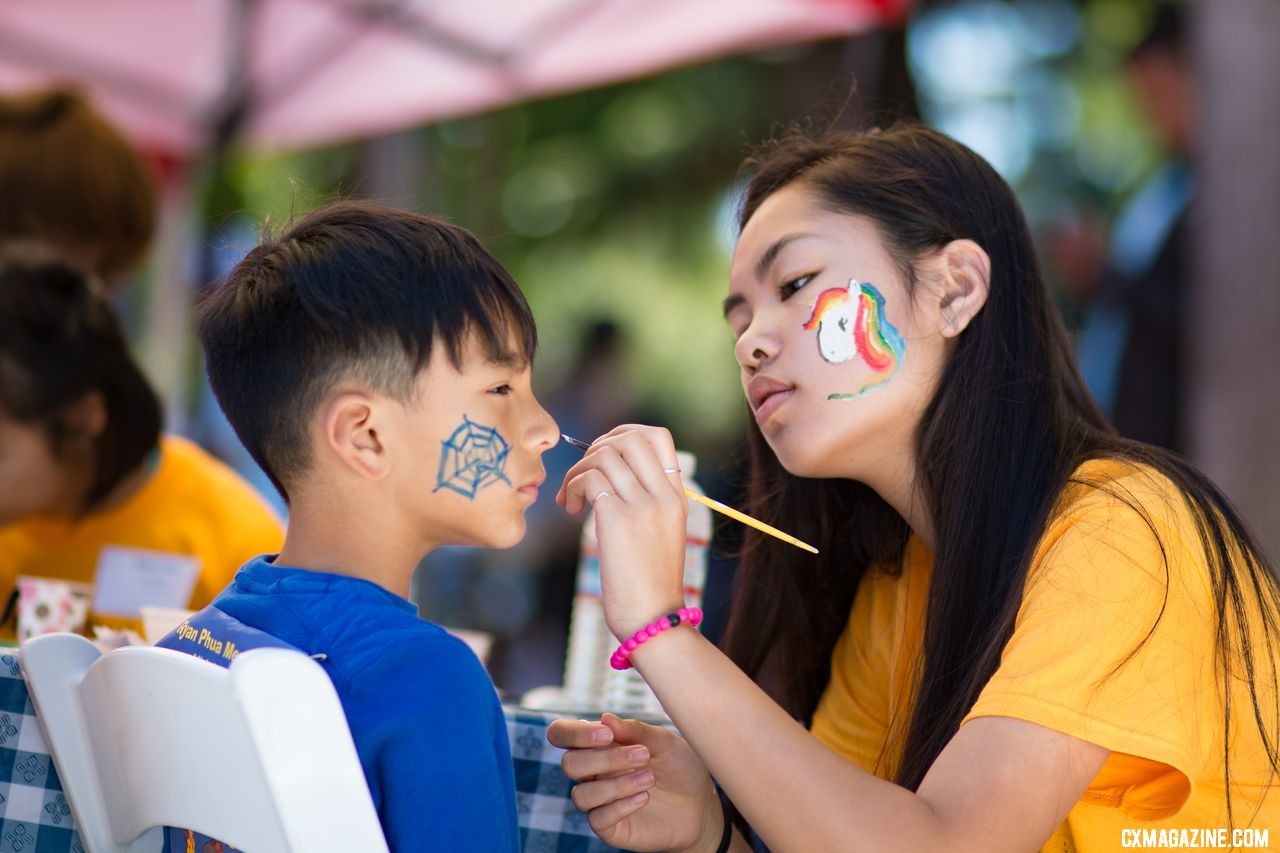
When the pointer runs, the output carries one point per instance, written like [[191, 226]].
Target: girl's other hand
[[642, 787], [640, 513]]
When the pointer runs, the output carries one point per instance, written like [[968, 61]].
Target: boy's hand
[[640, 513], [673, 807]]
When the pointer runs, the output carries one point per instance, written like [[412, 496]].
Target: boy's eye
[[789, 287], [503, 389]]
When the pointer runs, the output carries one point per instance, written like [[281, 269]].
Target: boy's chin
[[506, 535]]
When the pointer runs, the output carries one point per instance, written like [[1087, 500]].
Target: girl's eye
[[788, 288]]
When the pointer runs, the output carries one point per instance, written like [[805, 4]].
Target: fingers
[[659, 439], [610, 462], [587, 487], [584, 764], [606, 817], [647, 465], [656, 738], [601, 792], [636, 461], [578, 734]]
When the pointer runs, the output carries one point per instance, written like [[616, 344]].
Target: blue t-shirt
[[423, 713]]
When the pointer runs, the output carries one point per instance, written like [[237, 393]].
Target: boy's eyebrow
[[513, 361]]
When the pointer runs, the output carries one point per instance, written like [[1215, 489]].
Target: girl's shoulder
[[1122, 492], [1119, 522]]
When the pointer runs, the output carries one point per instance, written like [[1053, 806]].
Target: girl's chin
[[801, 462]]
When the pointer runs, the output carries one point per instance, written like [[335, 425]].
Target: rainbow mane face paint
[[851, 322]]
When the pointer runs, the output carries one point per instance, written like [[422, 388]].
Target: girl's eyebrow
[[771, 254], [733, 300], [766, 261]]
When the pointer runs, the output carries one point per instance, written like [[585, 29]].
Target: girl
[[86, 480], [1022, 631]]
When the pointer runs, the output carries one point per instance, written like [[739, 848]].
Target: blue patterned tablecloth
[[36, 818], [549, 821]]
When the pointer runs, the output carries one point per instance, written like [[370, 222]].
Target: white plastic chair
[[258, 755]]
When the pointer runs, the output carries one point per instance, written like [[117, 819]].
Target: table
[[549, 821], [38, 819]]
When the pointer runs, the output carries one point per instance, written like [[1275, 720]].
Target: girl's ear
[[351, 424], [86, 418], [966, 280]]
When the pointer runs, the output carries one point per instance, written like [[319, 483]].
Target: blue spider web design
[[472, 458]]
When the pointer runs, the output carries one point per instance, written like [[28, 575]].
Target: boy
[[376, 363]]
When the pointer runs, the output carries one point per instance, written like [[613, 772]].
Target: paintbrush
[[722, 509]]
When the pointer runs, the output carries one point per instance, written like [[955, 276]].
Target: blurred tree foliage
[[614, 203], [619, 203]]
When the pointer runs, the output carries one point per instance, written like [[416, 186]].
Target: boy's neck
[[344, 540]]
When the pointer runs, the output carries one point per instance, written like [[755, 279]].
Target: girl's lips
[[772, 403]]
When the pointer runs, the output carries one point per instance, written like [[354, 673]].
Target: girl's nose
[[755, 349]]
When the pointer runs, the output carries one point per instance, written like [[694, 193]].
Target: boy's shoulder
[[410, 656], [363, 633]]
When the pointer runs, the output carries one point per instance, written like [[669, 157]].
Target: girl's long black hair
[[1010, 422]]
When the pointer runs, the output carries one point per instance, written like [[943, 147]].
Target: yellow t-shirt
[[1096, 586], [192, 505]]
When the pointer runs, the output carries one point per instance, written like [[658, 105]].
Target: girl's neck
[[79, 481], [897, 482]]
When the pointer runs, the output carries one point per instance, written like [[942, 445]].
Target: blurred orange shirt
[[1096, 586], [192, 505]]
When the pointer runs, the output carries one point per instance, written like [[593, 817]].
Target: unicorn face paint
[[851, 322]]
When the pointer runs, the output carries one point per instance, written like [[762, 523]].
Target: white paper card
[[129, 578]]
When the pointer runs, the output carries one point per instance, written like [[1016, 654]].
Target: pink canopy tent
[[186, 78], [183, 76]]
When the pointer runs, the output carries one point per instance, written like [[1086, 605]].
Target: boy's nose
[[544, 433]]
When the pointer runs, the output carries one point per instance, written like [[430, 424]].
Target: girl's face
[[839, 358], [32, 479]]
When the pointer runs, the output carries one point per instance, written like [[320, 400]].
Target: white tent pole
[[166, 332]]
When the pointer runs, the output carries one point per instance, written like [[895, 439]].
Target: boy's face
[[470, 449]]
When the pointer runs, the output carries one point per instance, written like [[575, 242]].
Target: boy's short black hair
[[352, 290]]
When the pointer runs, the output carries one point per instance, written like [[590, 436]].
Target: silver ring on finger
[[598, 497], [671, 470]]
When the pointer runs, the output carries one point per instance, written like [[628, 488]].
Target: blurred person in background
[[71, 182], [87, 482], [1131, 348]]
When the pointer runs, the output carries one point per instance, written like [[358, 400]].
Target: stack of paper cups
[[589, 637]]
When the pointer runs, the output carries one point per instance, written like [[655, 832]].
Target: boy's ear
[[351, 424], [966, 280]]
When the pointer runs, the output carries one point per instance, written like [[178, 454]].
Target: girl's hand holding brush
[[631, 477]]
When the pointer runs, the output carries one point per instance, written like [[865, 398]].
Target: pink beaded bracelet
[[621, 659]]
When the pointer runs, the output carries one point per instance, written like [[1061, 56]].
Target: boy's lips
[[530, 488]]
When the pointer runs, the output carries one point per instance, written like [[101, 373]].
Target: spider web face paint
[[850, 321], [472, 458]]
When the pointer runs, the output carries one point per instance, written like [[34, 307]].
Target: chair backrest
[[258, 755]]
